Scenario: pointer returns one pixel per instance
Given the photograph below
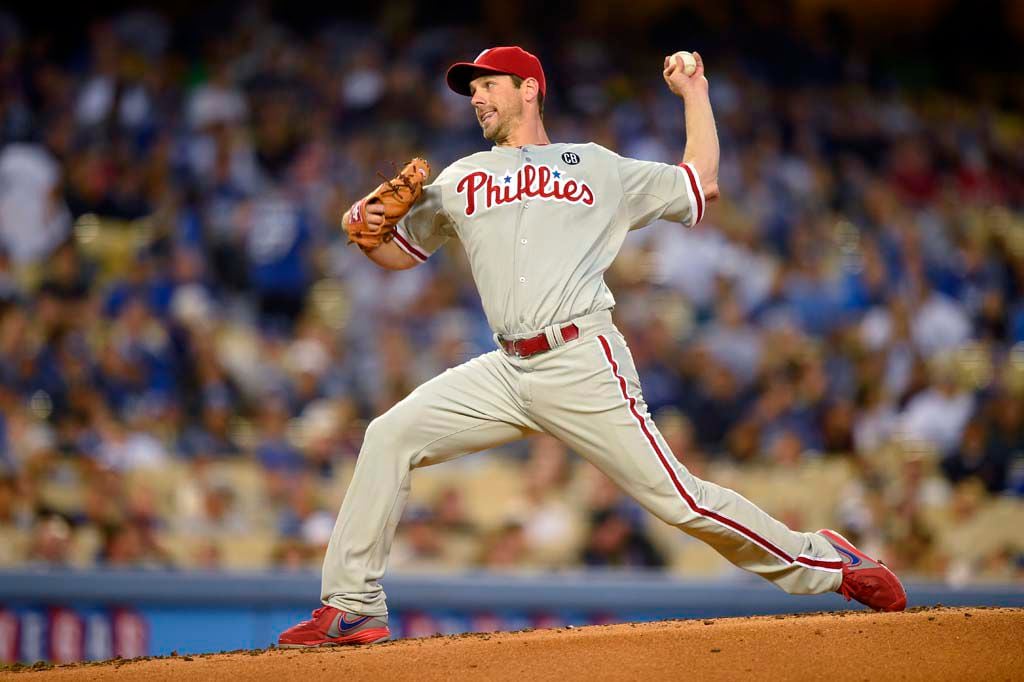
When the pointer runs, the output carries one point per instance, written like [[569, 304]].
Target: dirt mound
[[933, 644]]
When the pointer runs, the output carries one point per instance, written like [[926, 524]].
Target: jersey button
[[522, 280], [522, 241]]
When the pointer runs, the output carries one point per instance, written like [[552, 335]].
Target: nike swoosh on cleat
[[346, 626], [854, 559], [341, 625]]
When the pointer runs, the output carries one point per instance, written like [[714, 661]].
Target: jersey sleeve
[[426, 227], [654, 191]]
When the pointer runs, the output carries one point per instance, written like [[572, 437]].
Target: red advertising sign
[[67, 636], [8, 637]]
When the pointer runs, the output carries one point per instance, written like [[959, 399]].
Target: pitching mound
[[932, 644]]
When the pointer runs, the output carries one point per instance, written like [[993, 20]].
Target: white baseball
[[689, 63]]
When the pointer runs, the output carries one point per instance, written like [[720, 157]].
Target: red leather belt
[[524, 348]]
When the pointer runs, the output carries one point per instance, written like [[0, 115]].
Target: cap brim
[[459, 76]]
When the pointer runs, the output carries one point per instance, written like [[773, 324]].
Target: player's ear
[[530, 89]]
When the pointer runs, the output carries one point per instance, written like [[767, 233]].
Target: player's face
[[498, 104]]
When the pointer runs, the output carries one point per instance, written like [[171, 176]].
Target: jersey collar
[[525, 147]]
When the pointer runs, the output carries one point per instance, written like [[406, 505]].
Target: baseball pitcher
[[541, 222]]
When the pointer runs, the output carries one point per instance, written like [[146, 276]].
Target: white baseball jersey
[[542, 223]]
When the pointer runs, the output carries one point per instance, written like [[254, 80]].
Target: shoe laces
[[854, 584], [316, 614]]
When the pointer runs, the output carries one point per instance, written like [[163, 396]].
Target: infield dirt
[[921, 644]]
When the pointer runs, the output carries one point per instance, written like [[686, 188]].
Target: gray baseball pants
[[587, 394]]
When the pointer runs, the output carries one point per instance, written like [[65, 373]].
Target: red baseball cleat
[[332, 627], [868, 581]]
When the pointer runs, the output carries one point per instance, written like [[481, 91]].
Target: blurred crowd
[[189, 352]]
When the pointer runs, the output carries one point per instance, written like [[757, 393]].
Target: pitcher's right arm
[[701, 151]]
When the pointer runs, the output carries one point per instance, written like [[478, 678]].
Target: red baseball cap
[[512, 60]]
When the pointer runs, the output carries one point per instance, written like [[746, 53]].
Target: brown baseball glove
[[397, 195]]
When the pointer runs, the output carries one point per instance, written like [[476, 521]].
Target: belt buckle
[[507, 344]]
